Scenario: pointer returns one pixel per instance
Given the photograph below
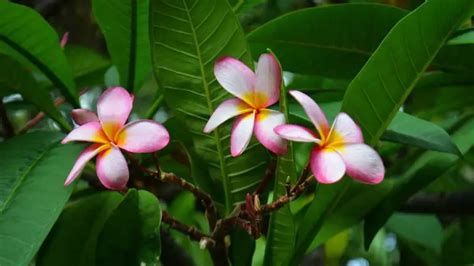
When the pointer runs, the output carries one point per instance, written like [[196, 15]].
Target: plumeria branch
[[202, 196], [191, 231], [283, 200]]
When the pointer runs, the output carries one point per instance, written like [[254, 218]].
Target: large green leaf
[[380, 88], [74, 237], [357, 201], [32, 194], [281, 229], [125, 27], [323, 47], [28, 34], [407, 129], [187, 37], [17, 78], [136, 220], [340, 49], [422, 229], [425, 170]]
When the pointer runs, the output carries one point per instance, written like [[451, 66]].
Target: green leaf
[[465, 37], [136, 220], [357, 201], [34, 167], [422, 229], [324, 202], [422, 172], [339, 50], [187, 37], [407, 129], [86, 72], [125, 27], [323, 47], [17, 78], [380, 88], [28, 34], [74, 237], [458, 245], [281, 229]]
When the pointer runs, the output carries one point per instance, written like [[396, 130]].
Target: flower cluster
[[338, 149]]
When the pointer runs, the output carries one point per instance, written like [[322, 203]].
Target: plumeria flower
[[255, 92], [109, 134], [338, 150]]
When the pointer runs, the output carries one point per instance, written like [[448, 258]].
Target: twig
[[41, 115], [269, 174], [281, 201], [191, 231], [199, 194], [205, 199], [6, 123]]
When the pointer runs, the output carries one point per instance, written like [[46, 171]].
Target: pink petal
[[90, 132], [267, 120], [327, 165], [362, 162], [345, 130], [236, 78], [225, 111], [112, 169], [241, 133], [315, 114], [85, 156], [143, 136], [83, 116], [296, 133], [268, 80], [114, 107], [64, 39]]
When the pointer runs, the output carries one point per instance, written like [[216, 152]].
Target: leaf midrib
[[215, 134], [49, 147]]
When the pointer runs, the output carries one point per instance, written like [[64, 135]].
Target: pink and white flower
[[338, 150], [109, 134], [255, 92]]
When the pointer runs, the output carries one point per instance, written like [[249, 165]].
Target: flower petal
[[267, 120], [225, 111], [143, 136], [90, 132], [85, 156], [236, 78], [114, 107], [112, 169], [345, 130], [268, 80], [327, 165], [362, 162], [83, 116], [296, 133], [315, 114], [241, 133]]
